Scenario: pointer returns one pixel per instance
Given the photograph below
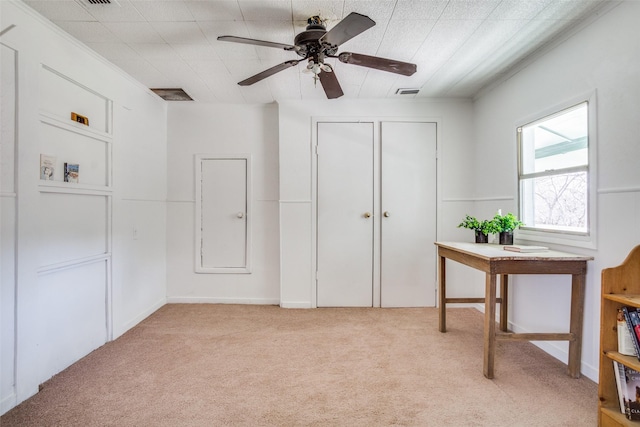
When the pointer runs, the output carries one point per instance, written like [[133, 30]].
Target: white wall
[[455, 172], [222, 130], [605, 57], [139, 209], [61, 316]]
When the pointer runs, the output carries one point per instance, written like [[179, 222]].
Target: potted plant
[[505, 224], [482, 228]]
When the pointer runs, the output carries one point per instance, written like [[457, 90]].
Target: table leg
[[575, 326], [504, 297], [489, 325], [442, 297]]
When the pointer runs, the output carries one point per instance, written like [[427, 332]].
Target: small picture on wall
[[47, 167], [71, 171], [80, 119]]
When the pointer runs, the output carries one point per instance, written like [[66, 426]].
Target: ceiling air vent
[[407, 91], [89, 3], [172, 94]]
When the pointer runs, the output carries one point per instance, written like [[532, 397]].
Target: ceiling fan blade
[[390, 65], [244, 40], [347, 29], [330, 84], [268, 72]]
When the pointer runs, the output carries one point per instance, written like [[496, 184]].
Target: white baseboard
[[118, 331], [8, 403], [295, 304], [214, 300]]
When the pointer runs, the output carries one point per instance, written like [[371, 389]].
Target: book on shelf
[[633, 325], [71, 172], [618, 372], [630, 390], [625, 339], [47, 167], [525, 248]]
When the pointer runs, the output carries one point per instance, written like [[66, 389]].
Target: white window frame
[[560, 237]]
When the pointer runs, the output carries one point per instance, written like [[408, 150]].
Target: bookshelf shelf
[[630, 300], [620, 287], [613, 417], [629, 361]]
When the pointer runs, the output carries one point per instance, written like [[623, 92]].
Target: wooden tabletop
[[493, 252]]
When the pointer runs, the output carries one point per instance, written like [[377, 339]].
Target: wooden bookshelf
[[620, 287]]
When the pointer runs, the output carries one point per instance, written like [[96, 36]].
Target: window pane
[[557, 142], [557, 202]]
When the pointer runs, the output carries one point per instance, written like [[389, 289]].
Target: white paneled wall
[[223, 131], [79, 278], [8, 82]]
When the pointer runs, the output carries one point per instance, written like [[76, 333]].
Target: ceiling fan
[[315, 44]]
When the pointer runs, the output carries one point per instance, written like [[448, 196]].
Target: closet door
[[408, 201], [345, 215]]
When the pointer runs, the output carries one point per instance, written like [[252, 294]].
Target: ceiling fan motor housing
[[308, 41]]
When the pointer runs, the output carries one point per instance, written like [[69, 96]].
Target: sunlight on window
[[554, 167]]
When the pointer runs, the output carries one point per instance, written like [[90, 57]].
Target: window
[[554, 173]]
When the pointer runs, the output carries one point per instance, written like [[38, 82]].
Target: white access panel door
[[222, 215], [408, 223], [345, 215]]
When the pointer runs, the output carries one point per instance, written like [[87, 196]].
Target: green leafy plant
[[485, 226], [506, 223]]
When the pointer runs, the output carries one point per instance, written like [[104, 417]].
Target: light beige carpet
[[231, 365]]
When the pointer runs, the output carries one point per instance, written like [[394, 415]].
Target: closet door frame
[[247, 215], [377, 214]]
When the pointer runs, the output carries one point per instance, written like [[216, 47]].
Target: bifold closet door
[[408, 223], [345, 215]]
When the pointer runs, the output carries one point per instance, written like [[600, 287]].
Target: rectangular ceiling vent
[[176, 94], [407, 91], [89, 3]]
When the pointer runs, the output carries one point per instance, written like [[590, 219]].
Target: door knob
[[240, 215], [387, 214], [367, 214]]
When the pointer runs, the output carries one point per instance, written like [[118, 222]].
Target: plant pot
[[481, 237], [506, 238]]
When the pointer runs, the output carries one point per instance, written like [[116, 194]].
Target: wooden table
[[494, 261]]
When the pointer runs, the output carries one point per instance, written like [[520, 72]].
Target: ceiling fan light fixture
[[318, 67], [313, 67]]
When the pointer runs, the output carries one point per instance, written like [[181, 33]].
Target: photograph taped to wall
[[47, 167], [71, 172]]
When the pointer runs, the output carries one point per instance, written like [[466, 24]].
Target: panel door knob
[[367, 214], [240, 215], [387, 214]]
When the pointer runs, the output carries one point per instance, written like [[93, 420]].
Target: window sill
[[555, 238]]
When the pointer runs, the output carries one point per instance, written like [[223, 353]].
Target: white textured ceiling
[[459, 46]]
